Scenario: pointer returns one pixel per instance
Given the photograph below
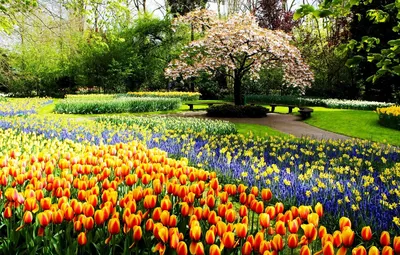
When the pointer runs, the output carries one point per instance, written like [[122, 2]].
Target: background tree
[[238, 46], [275, 14], [184, 6]]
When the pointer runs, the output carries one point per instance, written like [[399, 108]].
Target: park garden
[[113, 138]]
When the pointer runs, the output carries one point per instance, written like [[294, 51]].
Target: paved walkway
[[286, 123]]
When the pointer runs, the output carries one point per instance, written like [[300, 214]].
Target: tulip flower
[[293, 226], [396, 244], [264, 220], [328, 249], [280, 227], [344, 222], [174, 241], [228, 240], [7, 212], [266, 194], [82, 239], [137, 233], [293, 241], [309, 231], [43, 219], [28, 217], [387, 250], [359, 250], [246, 248], [305, 250], [313, 218], [182, 248], [196, 248], [114, 226], [195, 233], [385, 238], [366, 233], [241, 230], [214, 250], [348, 237], [319, 209], [373, 251]]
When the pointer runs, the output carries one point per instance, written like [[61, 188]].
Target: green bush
[[237, 111], [177, 124], [184, 96], [117, 105], [277, 99]]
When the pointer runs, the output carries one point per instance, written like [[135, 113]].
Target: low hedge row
[[177, 124], [237, 111], [184, 96], [119, 105], [300, 101], [389, 116]]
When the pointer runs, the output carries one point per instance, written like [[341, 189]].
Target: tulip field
[[123, 185]]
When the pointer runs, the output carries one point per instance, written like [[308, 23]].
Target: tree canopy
[[238, 46]]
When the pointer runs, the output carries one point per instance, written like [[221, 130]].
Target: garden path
[[286, 123]]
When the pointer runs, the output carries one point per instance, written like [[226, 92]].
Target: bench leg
[[272, 108], [191, 107], [290, 109]]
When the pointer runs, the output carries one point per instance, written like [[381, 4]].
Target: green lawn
[[354, 123], [258, 130]]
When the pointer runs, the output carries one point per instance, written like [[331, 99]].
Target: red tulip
[[7, 212], [137, 233], [182, 248], [266, 194], [114, 226], [247, 249], [241, 230], [385, 239], [28, 217], [305, 250], [396, 244], [327, 249], [214, 250], [82, 239], [228, 240], [387, 250], [293, 241], [319, 209], [359, 250], [280, 227], [366, 233], [264, 220]]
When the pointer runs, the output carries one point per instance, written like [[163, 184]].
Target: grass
[[354, 123], [258, 130]]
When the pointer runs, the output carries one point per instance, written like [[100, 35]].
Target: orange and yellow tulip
[[114, 226], [366, 233], [385, 238], [293, 241], [82, 239]]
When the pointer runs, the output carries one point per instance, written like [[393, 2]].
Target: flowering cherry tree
[[236, 47]]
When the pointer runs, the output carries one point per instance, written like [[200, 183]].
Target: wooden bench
[[289, 106], [191, 106], [305, 112]]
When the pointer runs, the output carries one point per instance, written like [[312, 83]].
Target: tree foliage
[[182, 7], [238, 46]]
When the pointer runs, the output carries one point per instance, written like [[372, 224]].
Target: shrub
[[110, 105], [389, 116], [237, 111], [178, 124], [184, 96]]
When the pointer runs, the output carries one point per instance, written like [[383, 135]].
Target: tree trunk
[[237, 88]]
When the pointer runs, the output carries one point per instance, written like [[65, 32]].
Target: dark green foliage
[[387, 87], [182, 7], [237, 111]]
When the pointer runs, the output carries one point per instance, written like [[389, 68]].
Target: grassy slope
[[360, 124]]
